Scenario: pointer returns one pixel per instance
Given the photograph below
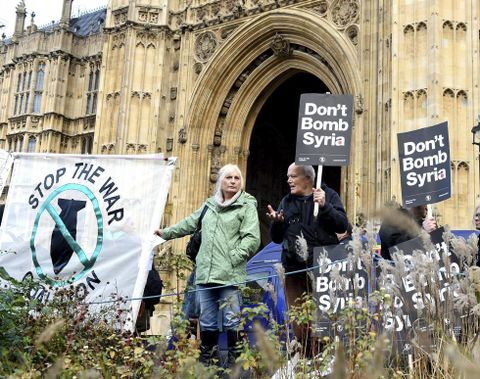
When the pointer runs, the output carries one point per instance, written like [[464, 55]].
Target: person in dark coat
[[294, 220], [401, 225], [345, 238]]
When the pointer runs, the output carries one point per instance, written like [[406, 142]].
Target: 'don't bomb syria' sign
[[425, 172], [324, 129], [83, 221]]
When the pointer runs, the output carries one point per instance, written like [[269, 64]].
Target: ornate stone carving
[[344, 12], [352, 34], [217, 137], [148, 15], [118, 41], [225, 32], [108, 148], [130, 148], [238, 9], [359, 107], [169, 144], [136, 147], [201, 13], [321, 8], [173, 93], [120, 16], [216, 165], [182, 136], [197, 68], [153, 18], [280, 46], [141, 94], [143, 16], [448, 92], [227, 103], [230, 5], [146, 39], [215, 9], [408, 95], [205, 46], [177, 19]]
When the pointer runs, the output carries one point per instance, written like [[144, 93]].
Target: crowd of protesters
[[231, 235]]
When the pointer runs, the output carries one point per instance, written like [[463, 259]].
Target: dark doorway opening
[[272, 145]]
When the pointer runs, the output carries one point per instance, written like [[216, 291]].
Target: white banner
[[86, 221]]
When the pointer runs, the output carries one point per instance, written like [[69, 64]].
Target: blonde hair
[[224, 171]]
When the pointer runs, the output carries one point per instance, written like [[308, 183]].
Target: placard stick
[[318, 185], [429, 210], [432, 212]]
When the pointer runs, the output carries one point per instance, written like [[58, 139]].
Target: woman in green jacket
[[230, 235]]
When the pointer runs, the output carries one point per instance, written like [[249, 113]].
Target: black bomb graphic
[[60, 249]]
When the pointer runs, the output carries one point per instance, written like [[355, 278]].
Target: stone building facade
[[213, 82]]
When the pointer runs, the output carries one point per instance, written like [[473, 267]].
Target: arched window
[[93, 83], [25, 110], [97, 78], [37, 98], [22, 95], [32, 143], [40, 77], [90, 81], [20, 143], [94, 103], [19, 81], [87, 144]]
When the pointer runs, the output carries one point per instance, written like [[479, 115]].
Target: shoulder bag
[[196, 239]]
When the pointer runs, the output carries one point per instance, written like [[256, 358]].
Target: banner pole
[[318, 185]]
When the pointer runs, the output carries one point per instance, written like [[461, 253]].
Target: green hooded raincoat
[[230, 236]]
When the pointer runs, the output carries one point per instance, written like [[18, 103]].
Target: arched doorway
[[272, 145], [233, 88]]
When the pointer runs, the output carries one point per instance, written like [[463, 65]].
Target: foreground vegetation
[[63, 339]]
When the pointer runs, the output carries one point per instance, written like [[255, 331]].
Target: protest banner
[[324, 129], [416, 294], [84, 221], [425, 165], [341, 278]]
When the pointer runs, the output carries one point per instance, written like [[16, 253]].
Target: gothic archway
[[272, 144], [241, 75]]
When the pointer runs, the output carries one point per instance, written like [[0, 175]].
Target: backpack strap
[[199, 224]]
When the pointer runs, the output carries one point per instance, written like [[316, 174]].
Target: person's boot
[[208, 347], [233, 337]]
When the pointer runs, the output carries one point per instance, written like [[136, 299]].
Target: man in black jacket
[[294, 219], [401, 225]]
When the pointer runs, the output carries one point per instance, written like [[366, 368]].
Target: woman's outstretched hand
[[158, 232]]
